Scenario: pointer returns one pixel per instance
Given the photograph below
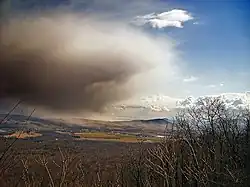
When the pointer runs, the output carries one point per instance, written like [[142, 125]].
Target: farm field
[[104, 136]]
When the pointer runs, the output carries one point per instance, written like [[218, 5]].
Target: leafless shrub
[[210, 147]]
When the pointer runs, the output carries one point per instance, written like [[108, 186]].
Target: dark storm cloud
[[65, 62]]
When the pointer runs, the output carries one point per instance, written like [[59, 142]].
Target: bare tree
[[210, 146]]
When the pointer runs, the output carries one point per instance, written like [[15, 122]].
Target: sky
[[217, 48], [213, 45], [209, 41]]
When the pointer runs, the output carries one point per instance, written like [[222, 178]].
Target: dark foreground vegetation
[[208, 145]]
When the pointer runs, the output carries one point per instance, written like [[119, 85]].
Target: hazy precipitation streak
[[67, 63]]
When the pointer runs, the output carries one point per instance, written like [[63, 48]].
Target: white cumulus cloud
[[216, 85], [211, 86], [160, 102], [232, 100], [172, 18], [190, 79], [222, 84]]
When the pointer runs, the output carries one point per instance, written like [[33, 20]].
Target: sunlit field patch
[[104, 136], [23, 135]]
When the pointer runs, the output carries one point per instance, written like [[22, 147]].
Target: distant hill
[[155, 121], [19, 122]]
